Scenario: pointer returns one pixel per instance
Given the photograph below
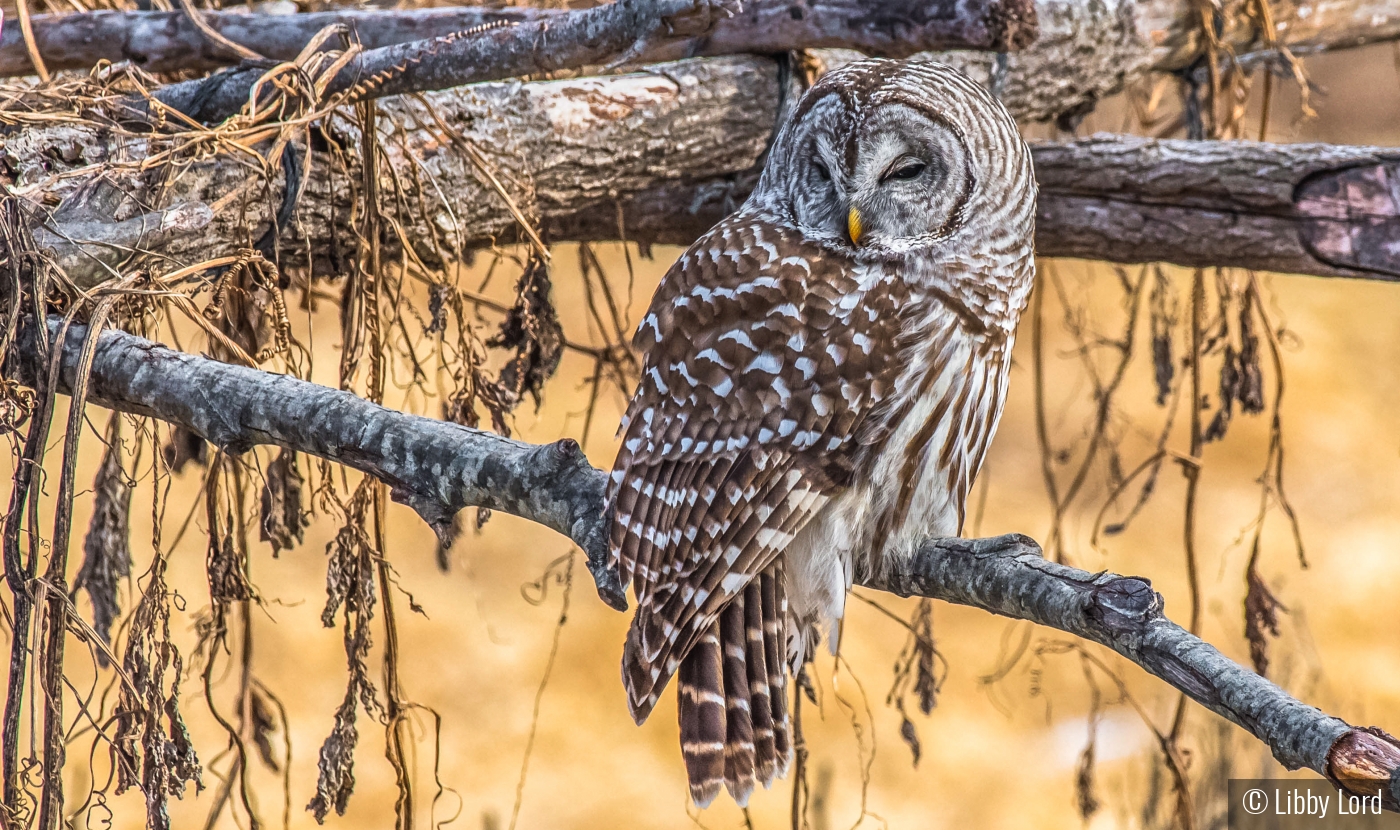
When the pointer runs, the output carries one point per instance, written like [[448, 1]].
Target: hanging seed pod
[[283, 520], [107, 548], [532, 329]]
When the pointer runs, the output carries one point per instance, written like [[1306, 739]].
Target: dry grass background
[[1000, 754]]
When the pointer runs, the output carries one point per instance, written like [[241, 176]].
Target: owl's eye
[[905, 172], [822, 172]]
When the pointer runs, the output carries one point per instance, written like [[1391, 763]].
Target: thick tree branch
[[169, 42], [1317, 209], [623, 31], [1304, 208], [440, 468], [435, 467], [663, 155]]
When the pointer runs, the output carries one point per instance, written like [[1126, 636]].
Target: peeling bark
[[439, 468]]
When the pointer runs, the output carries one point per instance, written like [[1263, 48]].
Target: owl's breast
[[918, 452], [928, 443]]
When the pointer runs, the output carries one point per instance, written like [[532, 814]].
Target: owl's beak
[[853, 225]]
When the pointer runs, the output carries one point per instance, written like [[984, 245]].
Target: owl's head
[[887, 158]]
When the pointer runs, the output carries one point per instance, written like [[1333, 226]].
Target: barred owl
[[823, 371]]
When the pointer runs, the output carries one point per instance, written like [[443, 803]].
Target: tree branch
[[671, 151], [169, 42], [439, 468], [435, 467], [1318, 209], [1085, 50], [623, 31]]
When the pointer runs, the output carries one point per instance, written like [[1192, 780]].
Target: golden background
[[1000, 754]]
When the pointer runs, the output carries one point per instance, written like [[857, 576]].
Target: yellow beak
[[853, 225]]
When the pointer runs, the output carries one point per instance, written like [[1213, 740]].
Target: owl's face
[[877, 158]]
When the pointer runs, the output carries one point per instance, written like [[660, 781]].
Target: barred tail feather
[[760, 708], [739, 736], [732, 696], [774, 651], [701, 704]]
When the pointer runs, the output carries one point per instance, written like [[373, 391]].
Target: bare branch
[[439, 468], [169, 42], [435, 467], [623, 31], [1319, 209]]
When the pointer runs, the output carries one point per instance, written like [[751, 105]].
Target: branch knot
[[1123, 604]]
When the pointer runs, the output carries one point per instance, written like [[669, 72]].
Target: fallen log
[[659, 156]]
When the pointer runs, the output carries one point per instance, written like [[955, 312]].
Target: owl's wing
[[763, 356]]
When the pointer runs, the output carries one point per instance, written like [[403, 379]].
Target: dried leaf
[[350, 573], [1241, 376], [1261, 609], [1163, 320], [283, 521], [264, 727], [151, 744], [439, 300], [911, 737], [1251, 388], [337, 763], [926, 683], [349, 585], [532, 329], [474, 386], [1084, 796], [226, 567], [107, 548], [184, 447]]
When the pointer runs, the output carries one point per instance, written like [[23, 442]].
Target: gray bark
[[660, 156], [1008, 575], [169, 42], [559, 148], [613, 32], [623, 31], [440, 468], [435, 467], [1301, 208]]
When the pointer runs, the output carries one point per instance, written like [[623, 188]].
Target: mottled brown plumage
[[822, 373]]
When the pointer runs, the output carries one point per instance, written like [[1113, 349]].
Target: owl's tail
[[732, 696]]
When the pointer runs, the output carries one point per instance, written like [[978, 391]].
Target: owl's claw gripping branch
[[439, 468]]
